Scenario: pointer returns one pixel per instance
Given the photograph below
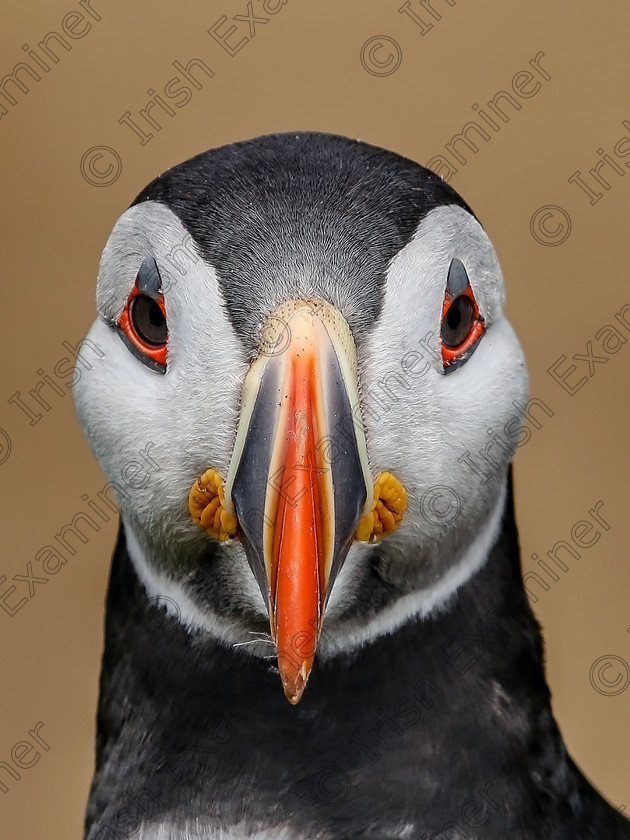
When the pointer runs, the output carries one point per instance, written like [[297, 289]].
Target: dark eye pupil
[[148, 320], [458, 322], [453, 317]]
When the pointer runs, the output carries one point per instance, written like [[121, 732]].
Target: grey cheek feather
[[169, 831], [146, 243]]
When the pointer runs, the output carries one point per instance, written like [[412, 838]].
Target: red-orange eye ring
[[462, 324], [142, 325]]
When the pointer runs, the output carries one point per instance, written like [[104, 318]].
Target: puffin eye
[[142, 325], [462, 325], [148, 320], [458, 322]]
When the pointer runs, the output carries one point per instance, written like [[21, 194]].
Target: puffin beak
[[299, 478]]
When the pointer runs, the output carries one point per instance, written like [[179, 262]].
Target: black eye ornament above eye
[[462, 325], [142, 325]]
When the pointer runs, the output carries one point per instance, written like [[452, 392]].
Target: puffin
[[316, 626]]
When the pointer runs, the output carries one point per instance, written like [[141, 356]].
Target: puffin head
[[306, 336]]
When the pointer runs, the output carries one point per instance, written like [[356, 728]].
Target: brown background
[[303, 70]]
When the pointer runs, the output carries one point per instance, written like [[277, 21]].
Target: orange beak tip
[[295, 683]]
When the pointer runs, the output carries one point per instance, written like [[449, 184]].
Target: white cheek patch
[[412, 410], [429, 427], [189, 413], [410, 319]]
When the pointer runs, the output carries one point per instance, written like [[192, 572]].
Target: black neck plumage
[[442, 729]]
